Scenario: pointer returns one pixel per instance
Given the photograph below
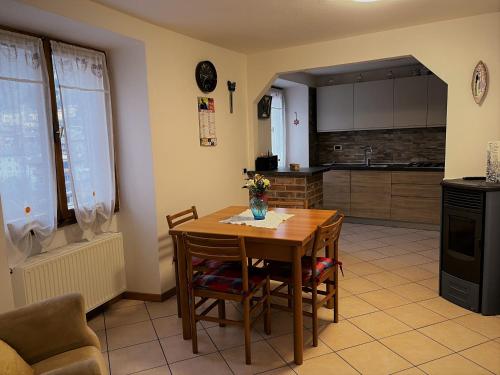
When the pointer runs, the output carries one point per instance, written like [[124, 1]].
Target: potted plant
[[257, 187]]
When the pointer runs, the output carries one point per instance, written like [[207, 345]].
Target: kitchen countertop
[[311, 171]]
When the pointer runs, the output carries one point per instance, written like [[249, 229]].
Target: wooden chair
[[173, 221], [315, 271], [233, 281]]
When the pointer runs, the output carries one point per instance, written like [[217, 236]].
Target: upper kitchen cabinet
[[374, 104], [410, 102], [335, 108], [437, 102]]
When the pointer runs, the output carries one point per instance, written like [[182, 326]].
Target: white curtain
[[83, 84], [27, 172], [278, 128]]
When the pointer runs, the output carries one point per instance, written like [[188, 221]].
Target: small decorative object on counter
[[294, 167], [257, 187], [493, 162]]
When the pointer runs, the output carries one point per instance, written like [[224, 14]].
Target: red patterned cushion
[[206, 263], [227, 279], [284, 269]]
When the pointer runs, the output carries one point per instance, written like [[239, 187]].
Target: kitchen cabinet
[[337, 191], [437, 101], [416, 197], [410, 102], [371, 194], [335, 108], [374, 104]]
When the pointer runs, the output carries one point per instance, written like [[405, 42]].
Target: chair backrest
[[226, 249], [327, 237], [182, 217]]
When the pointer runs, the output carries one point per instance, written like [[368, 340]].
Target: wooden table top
[[297, 230]]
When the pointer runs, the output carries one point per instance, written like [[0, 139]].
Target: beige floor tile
[[488, 326], [358, 285], [379, 324], [414, 292], [131, 334], [409, 260], [395, 240], [384, 299], [264, 358], [392, 250], [325, 316], [125, 303], [281, 324], [206, 364], [177, 349], [136, 358], [415, 315], [431, 254], [368, 255], [162, 309], [230, 336], [386, 279], [443, 307], [329, 364], [432, 267], [414, 273], [364, 268], [410, 371], [163, 370], [362, 245], [348, 259], [453, 335], [101, 335], [431, 242], [168, 326], [373, 359], [432, 284], [126, 315], [354, 306], [413, 246], [279, 371], [453, 365], [97, 323], [415, 347], [284, 346], [343, 335], [486, 355]]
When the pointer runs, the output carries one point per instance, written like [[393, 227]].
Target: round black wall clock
[[206, 76]]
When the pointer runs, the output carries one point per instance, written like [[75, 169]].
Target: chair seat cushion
[[86, 360], [11, 363], [283, 270], [228, 279]]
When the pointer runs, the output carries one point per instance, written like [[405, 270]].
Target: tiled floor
[[392, 321]]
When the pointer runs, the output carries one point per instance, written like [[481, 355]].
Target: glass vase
[[258, 206]]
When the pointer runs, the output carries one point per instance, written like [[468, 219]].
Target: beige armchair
[[53, 337]]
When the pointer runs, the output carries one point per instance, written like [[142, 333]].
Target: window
[[278, 133], [56, 137]]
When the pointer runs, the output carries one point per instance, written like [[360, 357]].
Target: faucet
[[367, 149]]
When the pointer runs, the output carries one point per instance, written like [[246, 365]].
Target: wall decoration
[[479, 82], [231, 86], [206, 76], [264, 107], [296, 122], [493, 162], [206, 116]]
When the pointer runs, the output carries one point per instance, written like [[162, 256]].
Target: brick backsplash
[[390, 145]]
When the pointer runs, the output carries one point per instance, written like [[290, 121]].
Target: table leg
[[298, 329], [183, 295]]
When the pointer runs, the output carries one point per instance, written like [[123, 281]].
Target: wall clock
[[206, 76], [479, 84]]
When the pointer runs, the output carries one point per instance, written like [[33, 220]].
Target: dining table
[[288, 243]]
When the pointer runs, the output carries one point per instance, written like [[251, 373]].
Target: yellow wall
[[184, 173], [450, 49]]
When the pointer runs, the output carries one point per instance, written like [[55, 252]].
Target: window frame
[[65, 215]]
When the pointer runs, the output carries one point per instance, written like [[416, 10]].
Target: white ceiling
[[256, 25], [364, 66]]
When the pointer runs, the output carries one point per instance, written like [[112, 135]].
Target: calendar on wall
[[206, 116]]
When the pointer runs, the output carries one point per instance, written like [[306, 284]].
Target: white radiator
[[95, 269]]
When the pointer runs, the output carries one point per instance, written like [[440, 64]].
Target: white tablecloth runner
[[272, 220]]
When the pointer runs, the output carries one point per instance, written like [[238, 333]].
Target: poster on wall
[[206, 115]]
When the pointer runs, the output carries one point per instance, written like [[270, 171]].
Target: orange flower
[[27, 210]]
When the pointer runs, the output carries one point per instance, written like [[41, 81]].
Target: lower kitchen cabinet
[[371, 194], [337, 191]]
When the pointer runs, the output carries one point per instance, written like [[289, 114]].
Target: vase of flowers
[[257, 187]]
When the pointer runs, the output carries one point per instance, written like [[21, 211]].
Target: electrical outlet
[[337, 147]]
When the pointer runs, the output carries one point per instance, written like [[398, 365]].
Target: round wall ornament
[[479, 84], [206, 76]]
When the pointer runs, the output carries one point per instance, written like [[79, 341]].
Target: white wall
[[451, 49], [297, 136], [6, 295]]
